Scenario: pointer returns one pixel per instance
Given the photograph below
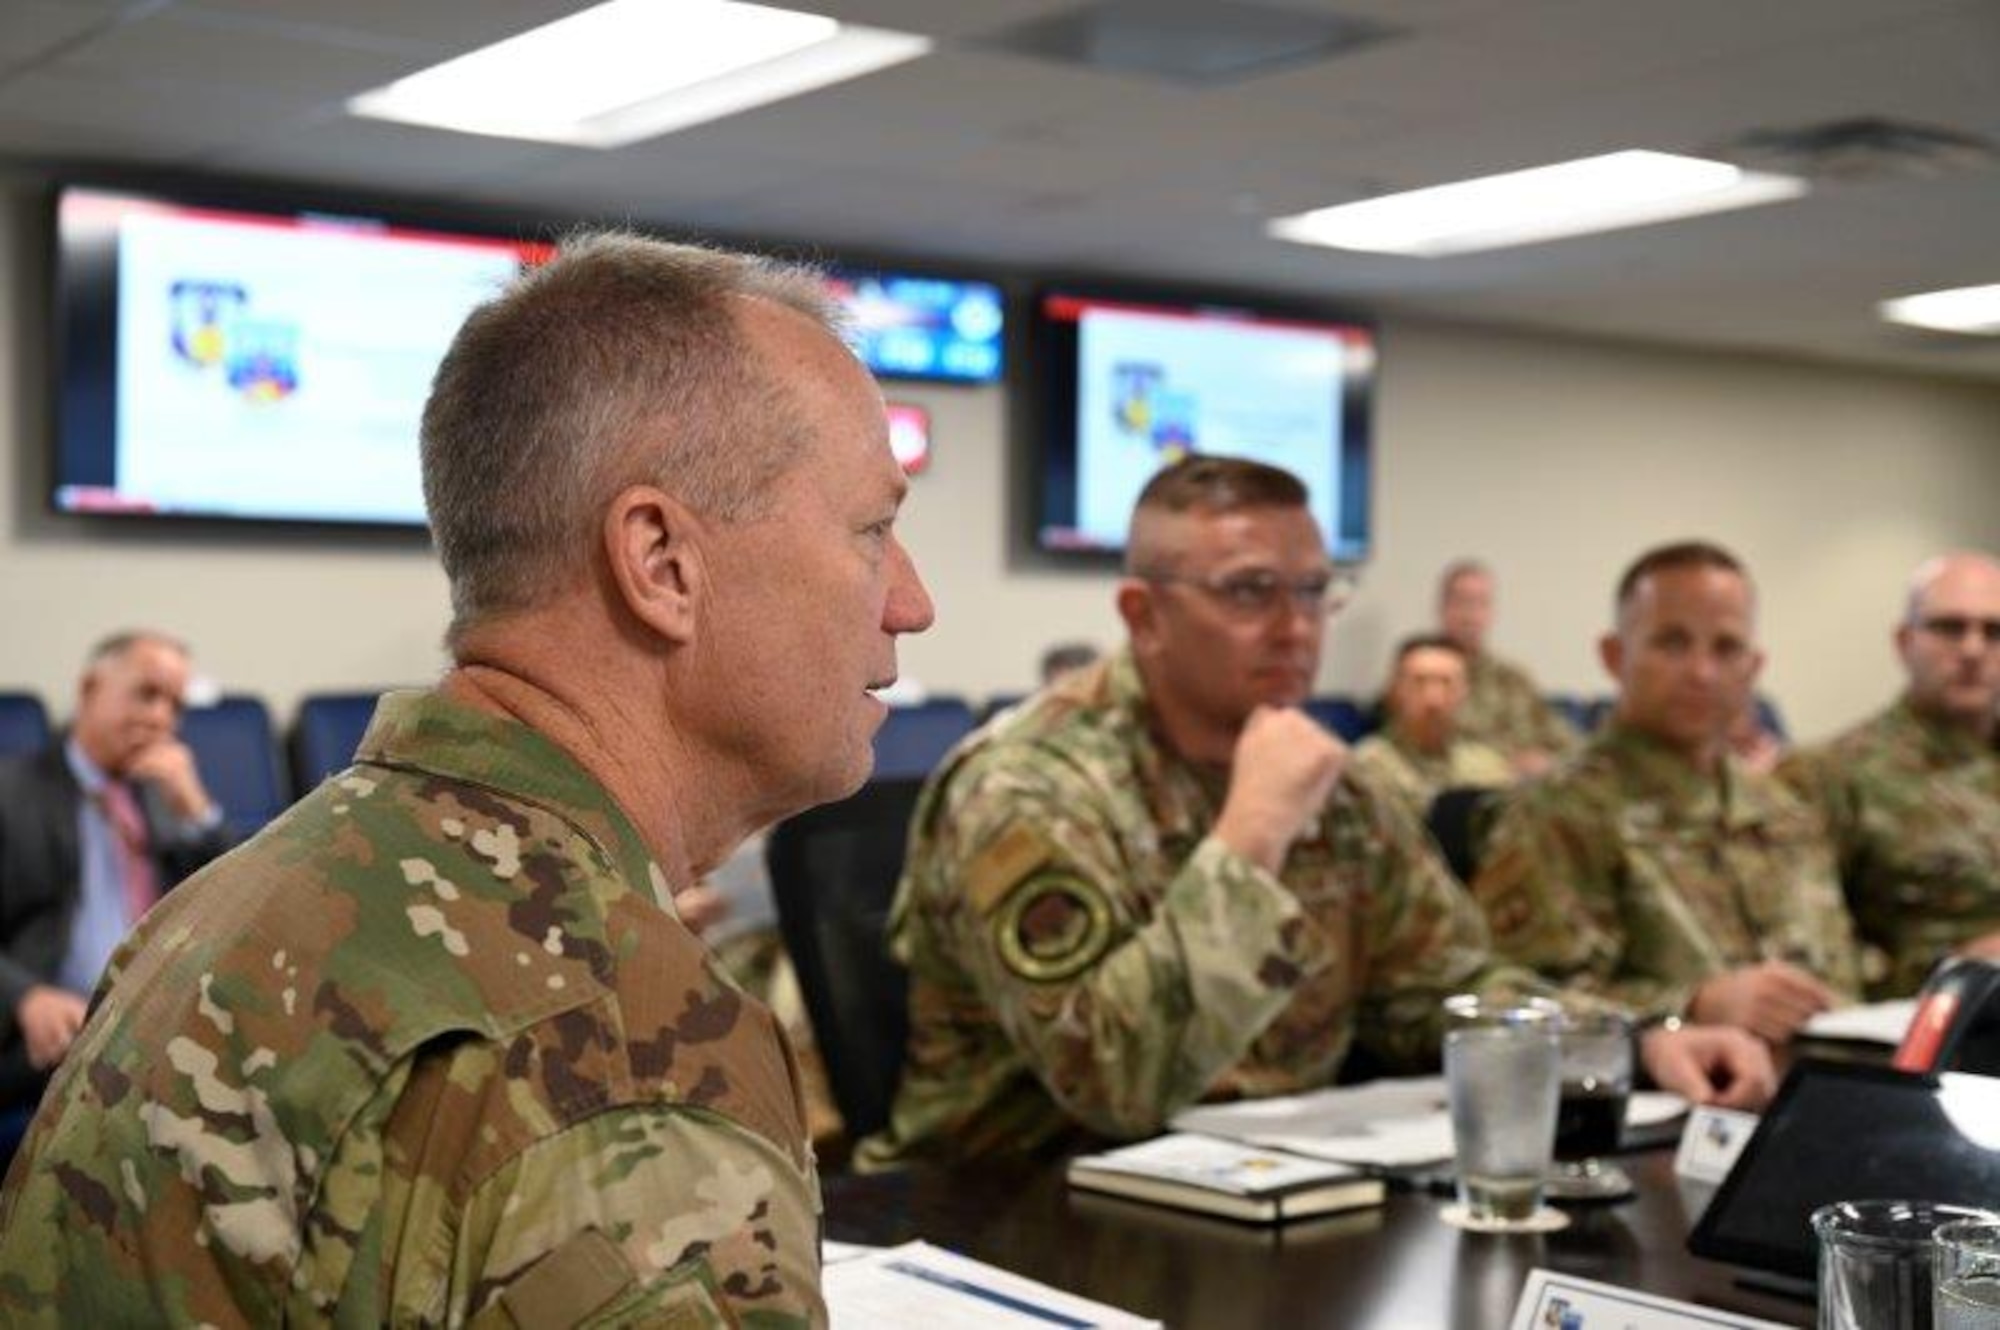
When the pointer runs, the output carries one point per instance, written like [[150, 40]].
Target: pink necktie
[[135, 865]]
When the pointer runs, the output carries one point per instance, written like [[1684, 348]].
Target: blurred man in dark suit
[[92, 831]]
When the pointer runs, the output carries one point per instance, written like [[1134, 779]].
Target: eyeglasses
[[1256, 592], [1955, 627]]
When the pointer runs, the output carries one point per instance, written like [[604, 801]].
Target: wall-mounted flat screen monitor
[[930, 328], [221, 362], [1130, 385]]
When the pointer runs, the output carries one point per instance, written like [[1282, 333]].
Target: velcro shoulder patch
[[570, 1283], [1017, 852]]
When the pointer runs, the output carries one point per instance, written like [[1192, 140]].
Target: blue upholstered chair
[[237, 755]]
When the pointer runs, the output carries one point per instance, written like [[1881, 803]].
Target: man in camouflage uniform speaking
[[1154, 882], [434, 1048], [1913, 796], [1654, 868]]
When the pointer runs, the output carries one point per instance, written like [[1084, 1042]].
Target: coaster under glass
[[1543, 1220]]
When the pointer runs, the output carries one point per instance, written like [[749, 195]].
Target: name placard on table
[[1552, 1301], [1714, 1137]]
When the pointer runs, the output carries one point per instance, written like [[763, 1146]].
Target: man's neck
[[1972, 726], [1435, 745], [642, 780], [1705, 758], [1190, 737]]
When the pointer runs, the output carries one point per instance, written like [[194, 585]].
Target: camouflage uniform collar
[[1659, 776], [428, 732], [1184, 798], [1942, 743], [1435, 764]]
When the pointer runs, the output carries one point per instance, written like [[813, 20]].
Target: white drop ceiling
[[1003, 162]]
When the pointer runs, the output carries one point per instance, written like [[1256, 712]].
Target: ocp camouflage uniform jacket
[[432, 1049], [1082, 951], [1503, 708], [1628, 873], [1914, 807], [1418, 777]]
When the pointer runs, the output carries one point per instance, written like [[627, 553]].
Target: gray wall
[[1556, 460]]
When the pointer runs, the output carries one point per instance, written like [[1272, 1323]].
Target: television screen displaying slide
[[1132, 386], [271, 366], [935, 328]]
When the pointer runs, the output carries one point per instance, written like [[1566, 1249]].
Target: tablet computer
[[1842, 1132]]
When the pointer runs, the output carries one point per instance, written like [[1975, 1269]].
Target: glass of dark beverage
[[1596, 1050]]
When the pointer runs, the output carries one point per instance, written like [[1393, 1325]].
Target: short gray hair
[[1457, 571], [1930, 570], [118, 643], [618, 362]]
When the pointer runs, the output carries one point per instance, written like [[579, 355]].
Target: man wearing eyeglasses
[[1157, 882], [1913, 795], [1654, 868]]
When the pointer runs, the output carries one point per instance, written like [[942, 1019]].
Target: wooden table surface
[[1397, 1267]]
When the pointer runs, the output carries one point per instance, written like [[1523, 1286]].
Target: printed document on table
[[832, 1252], [1388, 1123], [920, 1287], [1870, 1023], [1393, 1123]]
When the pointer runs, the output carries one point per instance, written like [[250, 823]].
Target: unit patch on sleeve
[[1052, 926]]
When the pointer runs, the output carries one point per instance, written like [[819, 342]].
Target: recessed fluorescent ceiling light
[[1965, 309], [1619, 189], [632, 69]]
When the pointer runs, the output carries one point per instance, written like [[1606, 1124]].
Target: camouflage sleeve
[[1533, 722], [1374, 761], [1814, 774], [491, 1214], [1553, 733], [1819, 778], [1426, 941], [1549, 885], [1125, 1014]]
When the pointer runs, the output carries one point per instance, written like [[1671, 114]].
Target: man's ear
[[1611, 651], [1137, 608], [652, 548]]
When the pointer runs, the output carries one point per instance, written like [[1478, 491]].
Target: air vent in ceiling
[[1186, 41], [1861, 149]]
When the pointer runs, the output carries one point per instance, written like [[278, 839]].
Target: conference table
[[1395, 1267]]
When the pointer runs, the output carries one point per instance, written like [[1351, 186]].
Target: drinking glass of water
[[1965, 1260], [1876, 1264], [1501, 1065], [1596, 1085]]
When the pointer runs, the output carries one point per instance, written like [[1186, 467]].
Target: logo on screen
[[202, 314], [1144, 407], [211, 328]]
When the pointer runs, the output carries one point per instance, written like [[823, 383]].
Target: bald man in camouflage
[[434, 1048], [1913, 795], [1157, 881], [1503, 707]]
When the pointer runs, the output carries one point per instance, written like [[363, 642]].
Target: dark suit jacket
[[41, 879]]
